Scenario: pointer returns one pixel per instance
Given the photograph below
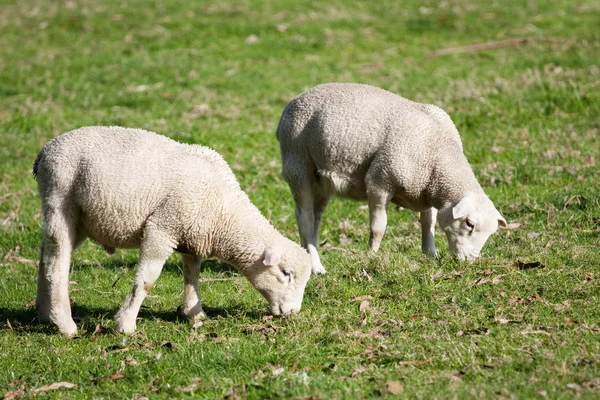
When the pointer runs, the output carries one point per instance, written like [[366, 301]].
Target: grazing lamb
[[129, 188], [365, 143]]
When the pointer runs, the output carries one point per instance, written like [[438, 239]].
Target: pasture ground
[[521, 322]]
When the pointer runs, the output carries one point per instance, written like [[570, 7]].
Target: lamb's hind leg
[[154, 251], [378, 202], [192, 308], [319, 204], [428, 218], [60, 238], [305, 217]]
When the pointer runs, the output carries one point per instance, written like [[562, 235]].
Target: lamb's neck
[[452, 177], [244, 237]]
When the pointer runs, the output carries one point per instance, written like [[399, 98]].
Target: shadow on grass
[[25, 320], [212, 265]]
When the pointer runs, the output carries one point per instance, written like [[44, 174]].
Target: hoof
[[127, 327], [318, 270], [201, 316], [69, 330]]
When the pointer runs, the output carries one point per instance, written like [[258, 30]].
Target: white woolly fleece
[[129, 188], [365, 143]]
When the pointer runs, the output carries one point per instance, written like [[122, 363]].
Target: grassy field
[[521, 322]]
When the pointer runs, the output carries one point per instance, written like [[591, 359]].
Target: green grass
[[529, 119]]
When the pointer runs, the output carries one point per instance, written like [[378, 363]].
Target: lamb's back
[[343, 126], [119, 177]]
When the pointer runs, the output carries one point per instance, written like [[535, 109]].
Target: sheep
[[365, 143], [130, 188]]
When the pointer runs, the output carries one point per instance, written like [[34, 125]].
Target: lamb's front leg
[[428, 218], [192, 308], [154, 252]]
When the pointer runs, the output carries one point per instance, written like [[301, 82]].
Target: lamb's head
[[469, 223], [281, 275]]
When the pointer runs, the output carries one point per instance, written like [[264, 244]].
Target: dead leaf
[[294, 366], [115, 376], [483, 281], [251, 39], [265, 329], [276, 369], [168, 345], [18, 259], [535, 332], [364, 306], [477, 331], [12, 395], [574, 386], [55, 386], [344, 240], [118, 348], [198, 110], [531, 265], [393, 387], [437, 275], [502, 320], [511, 226], [362, 321], [593, 384], [19, 381], [18, 386], [197, 324], [518, 300], [99, 329], [414, 362], [440, 274], [366, 274], [236, 393], [368, 352], [357, 371], [361, 298], [190, 388]]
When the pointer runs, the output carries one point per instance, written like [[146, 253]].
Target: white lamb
[[365, 143], [129, 188]]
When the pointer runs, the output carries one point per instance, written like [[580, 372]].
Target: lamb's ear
[[464, 206], [272, 257]]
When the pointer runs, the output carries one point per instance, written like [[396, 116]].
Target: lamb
[[130, 188], [365, 143]]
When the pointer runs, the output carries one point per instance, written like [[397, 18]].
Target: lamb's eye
[[286, 273], [470, 224]]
